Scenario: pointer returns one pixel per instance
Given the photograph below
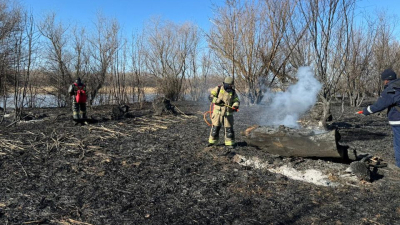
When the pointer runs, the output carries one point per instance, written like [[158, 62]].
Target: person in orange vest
[[78, 92], [226, 102]]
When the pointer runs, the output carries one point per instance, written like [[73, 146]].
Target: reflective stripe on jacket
[[228, 98]]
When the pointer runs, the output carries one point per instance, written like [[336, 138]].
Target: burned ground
[[147, 169]]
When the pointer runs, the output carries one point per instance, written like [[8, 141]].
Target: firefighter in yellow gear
[[226, 102]]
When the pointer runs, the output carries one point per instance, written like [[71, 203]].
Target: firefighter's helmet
[[228, 80]]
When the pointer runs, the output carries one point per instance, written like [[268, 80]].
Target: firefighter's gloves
[[217, 101], [211, 98], [235, 108], [360, 113], [214, 99]]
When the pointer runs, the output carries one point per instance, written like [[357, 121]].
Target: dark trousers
[[396, 144], [79, 111]]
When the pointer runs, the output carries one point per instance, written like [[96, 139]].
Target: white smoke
[[287, 107]]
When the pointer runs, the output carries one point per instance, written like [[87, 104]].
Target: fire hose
[[205, 115], [210, 112]]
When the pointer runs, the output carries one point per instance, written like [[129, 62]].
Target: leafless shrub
[[168, 48]]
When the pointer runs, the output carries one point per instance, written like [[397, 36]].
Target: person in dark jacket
[[78, 108], [389, 99]]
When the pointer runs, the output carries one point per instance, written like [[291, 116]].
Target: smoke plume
[[286, 107]]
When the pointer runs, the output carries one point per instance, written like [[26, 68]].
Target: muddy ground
[[148, 169]]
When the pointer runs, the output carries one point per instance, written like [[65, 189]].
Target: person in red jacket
[[78, 92]]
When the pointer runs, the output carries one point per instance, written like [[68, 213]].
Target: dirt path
[[156, 170]]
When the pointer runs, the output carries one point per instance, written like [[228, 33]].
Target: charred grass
[[156, 170]]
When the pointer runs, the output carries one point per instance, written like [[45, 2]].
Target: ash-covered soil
[[147, 169]]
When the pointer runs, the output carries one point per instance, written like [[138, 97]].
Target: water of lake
[[46, 100]]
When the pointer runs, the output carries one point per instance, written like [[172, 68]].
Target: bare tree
[[32, 44], [256, 39], [10, 21], [137, 57], [81, 59], [383, 47], [222, 38], [57, 56], [104, 44], [357, 73], [26, 41], [168, 48], [329, 34], [197, 82], [119, 75]]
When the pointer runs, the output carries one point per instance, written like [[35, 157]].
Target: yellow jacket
[[224, 101]]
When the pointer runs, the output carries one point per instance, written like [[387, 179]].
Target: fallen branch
[[165, 121], [34, 222], [9, 125], [78, 222], [371, 221], [26, 174], [2, 117], [107, 130], [67, 222], [181, 111], [8, 144], [62, 114], [123, 191]]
